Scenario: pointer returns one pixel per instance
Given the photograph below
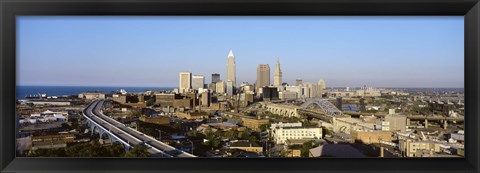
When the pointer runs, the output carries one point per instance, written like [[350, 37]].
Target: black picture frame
[[9, 9]]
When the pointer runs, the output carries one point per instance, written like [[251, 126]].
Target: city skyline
[[442, 66]]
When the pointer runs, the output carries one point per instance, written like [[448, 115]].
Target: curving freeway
[[133, 137]]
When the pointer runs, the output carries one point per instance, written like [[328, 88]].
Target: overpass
[[426, 119], [412, 117], [129, 137]]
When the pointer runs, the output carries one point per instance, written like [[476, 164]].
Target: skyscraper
[[321, 84], [198, 81], [185, 82], [277, 76], [263, 76], [231, 76], [321, 87], [215, 77]]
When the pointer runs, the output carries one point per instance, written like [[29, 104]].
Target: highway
[[132, 136], [413, 117]]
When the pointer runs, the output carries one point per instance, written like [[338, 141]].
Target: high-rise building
[[220, 87], [269, 93], [321, 84], [230, 88], [206, 98], [277, 76], [231, 76], [309, 90], [298, 82], [263, 76], [215, 77], [185, 82], [321, 87], [339, 103], [198, 81]]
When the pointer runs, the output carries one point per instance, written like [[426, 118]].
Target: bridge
[[283, 110], [326, 107], [118, 132]]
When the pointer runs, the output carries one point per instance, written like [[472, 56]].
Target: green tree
[[94, 149], [252, 139], [177, 126], [245, 135], [264, 127], [134, 114], [117, 149], [75, 124], [138, 151], [151, 101], [306, 148], [229, 134], [66, 126], [56, 152]]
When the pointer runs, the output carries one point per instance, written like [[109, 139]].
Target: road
[[134, 137]]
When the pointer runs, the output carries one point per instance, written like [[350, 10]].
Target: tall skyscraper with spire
[[277, 76], [231, 76]]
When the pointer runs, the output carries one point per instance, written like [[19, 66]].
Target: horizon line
[[177, 87]]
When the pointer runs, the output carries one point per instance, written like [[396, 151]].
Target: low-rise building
[[245, 146], [288, 95], [161, 120], [396, 122], [253, 123], [191, 115], [223, 126], [165, 99], [293, 152], [185, 102], [119, 98], [348, 124], [410, 148], [371, 137], [281, 134], [91, 96], [51, 141], [336, 150], [52, 103]]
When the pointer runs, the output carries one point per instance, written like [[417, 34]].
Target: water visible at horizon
[[24, 91]]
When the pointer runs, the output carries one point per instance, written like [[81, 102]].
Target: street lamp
[[159, 134], [192, 144]]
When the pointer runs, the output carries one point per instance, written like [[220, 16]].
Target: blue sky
[[350, 51]]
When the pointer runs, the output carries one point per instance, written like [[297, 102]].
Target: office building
[[263, 76], [231, 76], [230, 88], [198, 82], [185, 82], [206, 98], [215, 77], [269, 93], [321, 87], [397, 122], [220, 87], [409, 148], [283, 132], [277, 76], [321, 84], [371, 137], [164, 99], [309, 90], [339, 103]]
